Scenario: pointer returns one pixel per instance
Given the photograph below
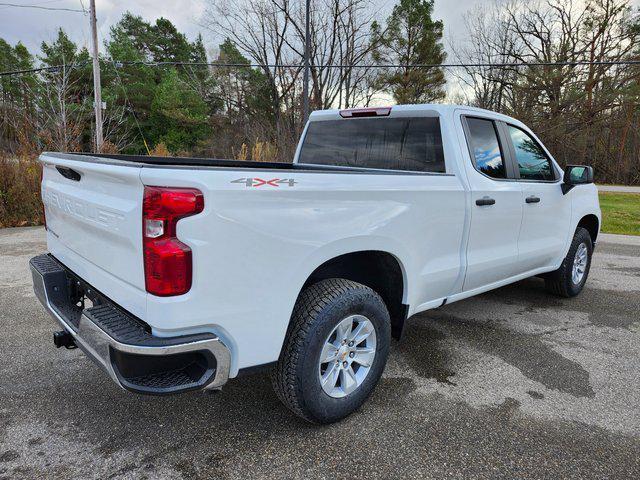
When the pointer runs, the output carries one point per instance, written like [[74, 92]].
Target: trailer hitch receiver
[[64, 339]]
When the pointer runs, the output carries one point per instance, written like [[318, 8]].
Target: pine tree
[[244, 90], [178, 114], [411, 38], [16, 102]]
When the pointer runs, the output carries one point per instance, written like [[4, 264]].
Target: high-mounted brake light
[[167, 261], [366, 112]]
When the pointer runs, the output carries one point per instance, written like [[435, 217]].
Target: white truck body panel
[[290, 232], [254, 248]]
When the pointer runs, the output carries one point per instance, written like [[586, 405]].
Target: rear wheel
[[569, 279], [335, 351]]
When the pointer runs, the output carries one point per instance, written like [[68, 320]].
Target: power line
[[371, 65], [52, 68], [42, 8], [37, 4], [375, 65]]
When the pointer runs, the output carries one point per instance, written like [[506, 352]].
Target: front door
[[547, 211]]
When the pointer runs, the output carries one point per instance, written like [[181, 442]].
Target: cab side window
[[533, 162], [486, 147]]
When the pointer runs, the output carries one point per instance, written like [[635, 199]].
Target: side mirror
[[576, 175]]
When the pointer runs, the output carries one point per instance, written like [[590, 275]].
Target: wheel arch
[[591, 223], [380, 270]]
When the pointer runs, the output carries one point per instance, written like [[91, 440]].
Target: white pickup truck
[[176, 274]]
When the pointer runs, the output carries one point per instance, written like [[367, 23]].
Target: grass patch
[[620, 213]]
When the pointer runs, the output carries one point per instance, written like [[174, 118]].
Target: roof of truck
[[437, 108]]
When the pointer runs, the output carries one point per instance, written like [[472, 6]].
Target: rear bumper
[[124, 345]]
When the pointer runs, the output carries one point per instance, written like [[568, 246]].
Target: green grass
[[620, 213]]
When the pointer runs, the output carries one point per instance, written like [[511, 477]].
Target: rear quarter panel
[[254, 247]]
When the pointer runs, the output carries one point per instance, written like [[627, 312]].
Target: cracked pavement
[[514, 383]]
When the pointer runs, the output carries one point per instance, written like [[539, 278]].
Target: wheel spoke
[[364, 356], [329, 353], [362, 331], [348, 380], [330, 377], [343, 330]]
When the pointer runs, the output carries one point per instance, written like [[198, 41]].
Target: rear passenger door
[[496, 205], [547, 211]]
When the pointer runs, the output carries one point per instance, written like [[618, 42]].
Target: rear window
[[386, 143]]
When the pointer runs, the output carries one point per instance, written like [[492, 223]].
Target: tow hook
[[64, 339]]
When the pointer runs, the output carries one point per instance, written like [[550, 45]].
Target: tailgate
[[94, 221]]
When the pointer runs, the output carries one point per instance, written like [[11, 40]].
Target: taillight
[[167, 261]]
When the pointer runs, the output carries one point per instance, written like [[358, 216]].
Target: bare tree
[[490, 42], [340, 36], [271, 32], [117, 130], [261, 30], [60, 117]]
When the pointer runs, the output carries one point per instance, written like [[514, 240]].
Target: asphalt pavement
[[514, 383]]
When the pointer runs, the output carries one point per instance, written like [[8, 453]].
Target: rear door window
[[485, 147], [413, 144]]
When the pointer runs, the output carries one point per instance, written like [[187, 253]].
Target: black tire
[[318, 310], [560, 282]]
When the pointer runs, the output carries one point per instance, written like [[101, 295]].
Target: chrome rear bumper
[[119, 343]]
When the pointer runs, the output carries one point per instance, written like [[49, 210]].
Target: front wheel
[[335, 351], [569, 279]]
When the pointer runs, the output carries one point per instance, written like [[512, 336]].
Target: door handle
[[69, 173], [485, 201], [533, 199]]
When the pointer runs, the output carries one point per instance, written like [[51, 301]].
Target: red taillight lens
[[167, 261]]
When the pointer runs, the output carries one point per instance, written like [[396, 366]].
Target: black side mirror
[[576, 175]]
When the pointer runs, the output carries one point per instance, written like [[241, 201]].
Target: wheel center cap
[[343, 352]]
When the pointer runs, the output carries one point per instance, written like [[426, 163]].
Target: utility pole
[[307, 54], [97, 89]]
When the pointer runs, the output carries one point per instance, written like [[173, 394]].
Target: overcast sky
[[32, 26]]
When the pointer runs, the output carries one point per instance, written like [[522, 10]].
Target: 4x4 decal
[[259, 182]]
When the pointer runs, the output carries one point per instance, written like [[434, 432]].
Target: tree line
[[585, 113], [162, 97]]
